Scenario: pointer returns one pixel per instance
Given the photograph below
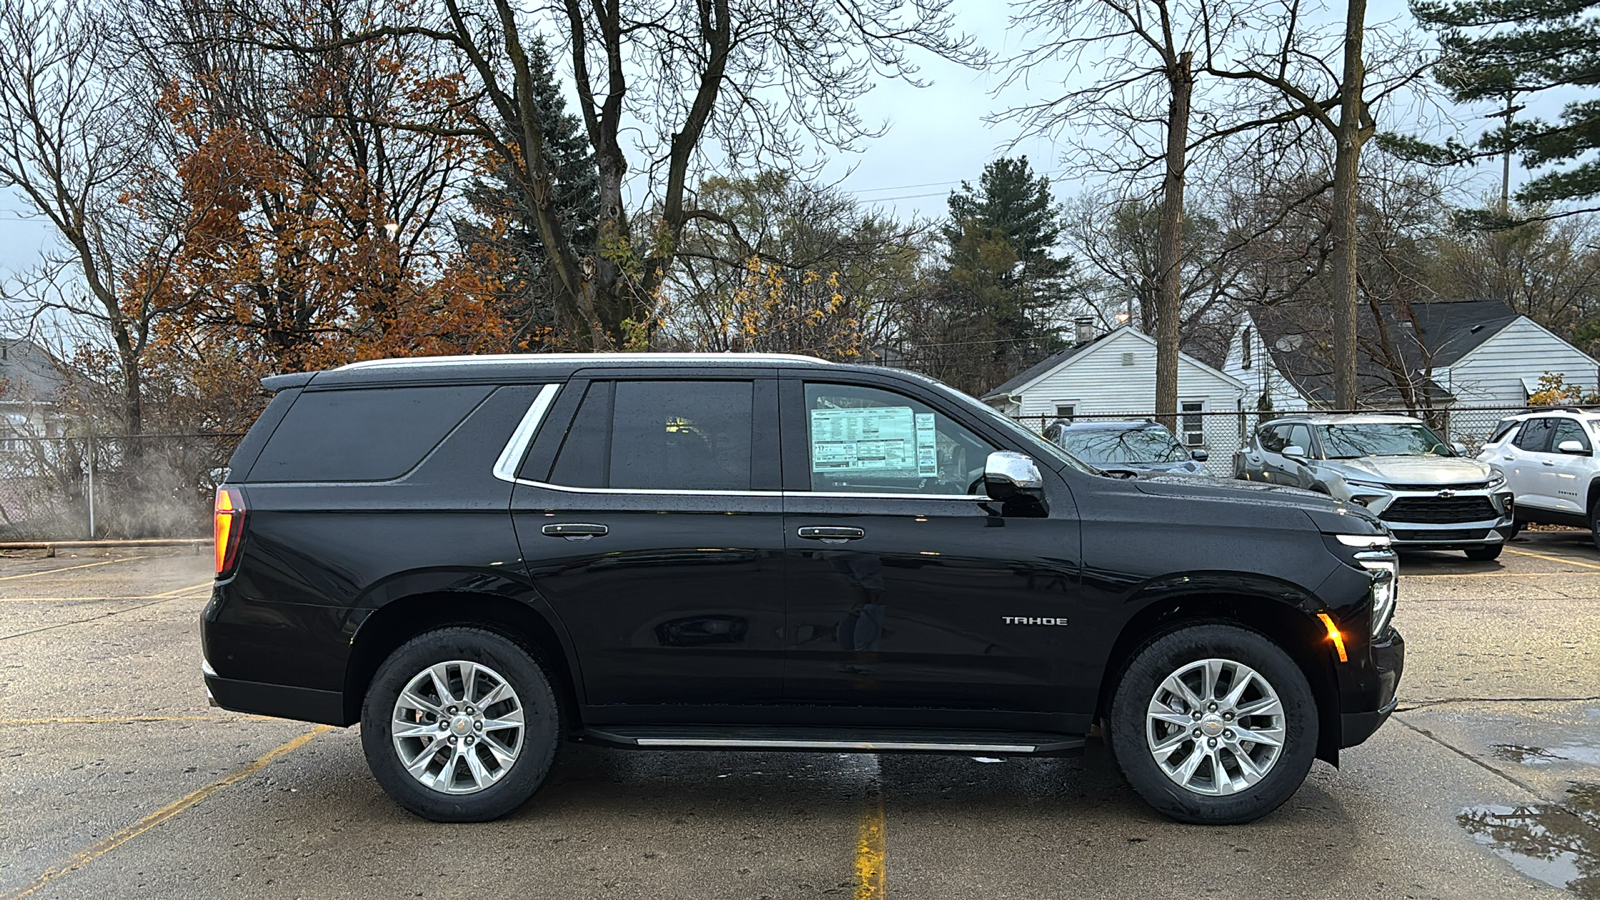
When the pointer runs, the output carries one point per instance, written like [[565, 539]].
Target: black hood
[[1330, 516]]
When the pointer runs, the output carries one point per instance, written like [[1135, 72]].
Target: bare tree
[[1148, 56], [82, 146], [1291, 60], [748, 81]]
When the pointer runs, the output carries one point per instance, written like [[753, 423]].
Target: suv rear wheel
[[1213, 724], [460, 725]]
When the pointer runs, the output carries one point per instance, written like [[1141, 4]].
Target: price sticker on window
[[880, 440]]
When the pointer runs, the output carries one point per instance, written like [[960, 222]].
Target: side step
[[848, 739]]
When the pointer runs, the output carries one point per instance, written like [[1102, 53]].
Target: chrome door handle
[[831, 534], [1544, 463], [575, 531], [1508, 456]]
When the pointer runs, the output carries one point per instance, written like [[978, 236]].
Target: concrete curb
[[50, 547]]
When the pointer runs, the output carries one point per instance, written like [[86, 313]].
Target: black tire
[[1484, 552], [514, 783], [1594, 524], [1137, 690]]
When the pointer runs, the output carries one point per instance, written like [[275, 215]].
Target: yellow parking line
[[1502, 575], [168, 595], [128, 720], [105, 562], [870, 853], [167, 812], [185, 590], [1570, 562]]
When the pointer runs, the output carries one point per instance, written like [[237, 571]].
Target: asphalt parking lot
[[116, 780]]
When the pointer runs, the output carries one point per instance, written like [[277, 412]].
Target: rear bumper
[[282, 701], [1379, 691]]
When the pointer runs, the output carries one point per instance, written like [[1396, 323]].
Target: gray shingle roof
[[1297, 337], [28, 372], [1041, 367]]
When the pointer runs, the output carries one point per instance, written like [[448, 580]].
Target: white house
[[30, 388], [1114, 375], [1457, 353]]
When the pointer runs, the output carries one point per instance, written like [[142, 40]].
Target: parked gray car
[[1142, 446], [1427, 493]]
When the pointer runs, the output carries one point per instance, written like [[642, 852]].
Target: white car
[[1549, 464]]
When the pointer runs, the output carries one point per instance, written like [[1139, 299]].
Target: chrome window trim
[[505, 467]]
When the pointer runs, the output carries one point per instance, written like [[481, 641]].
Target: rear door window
[[661, 435], [375, 434], [1535, 435]]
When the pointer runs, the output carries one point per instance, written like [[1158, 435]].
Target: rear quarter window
[[363, 435]]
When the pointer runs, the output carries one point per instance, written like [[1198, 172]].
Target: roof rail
[[409, 361]]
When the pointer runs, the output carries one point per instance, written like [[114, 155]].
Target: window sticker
[[883, 440]]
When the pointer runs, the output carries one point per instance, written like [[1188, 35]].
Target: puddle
[[1542, 756], [1556, 843]]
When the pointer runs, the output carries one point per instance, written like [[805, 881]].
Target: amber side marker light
[[228, 521], [1335, 636]]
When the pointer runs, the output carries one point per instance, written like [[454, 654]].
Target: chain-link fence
[[1219, 434], [149, 486]]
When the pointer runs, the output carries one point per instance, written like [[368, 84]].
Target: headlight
[[1497, 480], [1377, 556], [1370, 485]]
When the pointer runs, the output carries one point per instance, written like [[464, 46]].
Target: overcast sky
[[936, 138]]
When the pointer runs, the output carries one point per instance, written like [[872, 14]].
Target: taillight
[[229, 523]]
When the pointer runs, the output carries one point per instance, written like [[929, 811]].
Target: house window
[[1127, 359], [1066, 411], [1192, 423], [1244, 350]]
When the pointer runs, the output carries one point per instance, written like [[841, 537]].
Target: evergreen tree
[[1003, 265], [502, 235], [1506, 50]]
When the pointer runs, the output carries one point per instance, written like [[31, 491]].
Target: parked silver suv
[[1429, 495], [1547, 459]]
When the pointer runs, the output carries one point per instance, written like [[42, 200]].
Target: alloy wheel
[[1215, 727], [458, 727]]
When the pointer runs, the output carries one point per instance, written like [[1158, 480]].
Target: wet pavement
[[116, 779]]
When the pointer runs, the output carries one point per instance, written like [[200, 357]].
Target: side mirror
[[1007, 474], [1460, 449], [1199, 455], [1295, 452], [1573, 447]]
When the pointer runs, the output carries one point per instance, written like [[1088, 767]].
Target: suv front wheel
[[1213, 724], [460, 725]]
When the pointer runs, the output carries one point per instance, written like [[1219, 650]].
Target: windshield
[[1111, 447], [1045, 449], [1353, 440]]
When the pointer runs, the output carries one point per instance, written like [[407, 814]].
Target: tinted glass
[[1110, 447], [1535, 435], [682, 435], [363, 435], [582, 459], [866, 440], [1349, 441], [1570, 430], [1271, 439]]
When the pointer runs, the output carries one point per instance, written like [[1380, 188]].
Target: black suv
[[480, 558]]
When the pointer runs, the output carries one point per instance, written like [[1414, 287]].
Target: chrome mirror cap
[[1015, 469]]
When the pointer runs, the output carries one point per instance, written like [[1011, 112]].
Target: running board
[[860, 740]]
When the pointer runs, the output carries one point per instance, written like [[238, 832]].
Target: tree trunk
[[1169, 242], [1342, 229]]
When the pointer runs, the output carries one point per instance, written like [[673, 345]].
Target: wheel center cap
[[460, 725], [1211, 725]]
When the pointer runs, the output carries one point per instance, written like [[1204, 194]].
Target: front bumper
[[1375, 691]]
